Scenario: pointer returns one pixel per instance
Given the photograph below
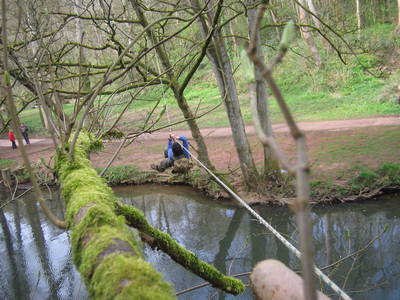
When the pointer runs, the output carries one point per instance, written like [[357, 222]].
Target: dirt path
[[148, 148], [305, 126]]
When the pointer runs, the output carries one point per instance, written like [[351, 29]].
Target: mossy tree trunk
[[103, 246]]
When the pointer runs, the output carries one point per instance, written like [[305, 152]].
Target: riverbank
[[345, 156]]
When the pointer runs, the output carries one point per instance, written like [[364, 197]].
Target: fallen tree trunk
[[160, 240], [104, 248]]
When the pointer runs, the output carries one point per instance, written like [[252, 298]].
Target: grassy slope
[[337, 91]]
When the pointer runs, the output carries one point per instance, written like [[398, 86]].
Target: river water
[[36, 261]]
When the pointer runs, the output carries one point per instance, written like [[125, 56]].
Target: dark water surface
[[35, 261], [233, 241]]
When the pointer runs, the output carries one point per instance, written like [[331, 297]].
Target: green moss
[[98, 229], [121, 277], [87, 195], [178, 253], [100, 240], [95, 217], [81, 178]]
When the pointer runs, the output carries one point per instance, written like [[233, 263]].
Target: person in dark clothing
[[173, 153], [11, 137], [24, 131]]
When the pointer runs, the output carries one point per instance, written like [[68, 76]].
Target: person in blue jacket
[[173, 152]]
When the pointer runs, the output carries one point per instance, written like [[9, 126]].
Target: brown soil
[[149, 148]]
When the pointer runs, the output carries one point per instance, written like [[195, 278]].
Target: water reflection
[[233, 241], [35, 261]]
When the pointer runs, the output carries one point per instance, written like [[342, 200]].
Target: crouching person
[[173, 153]]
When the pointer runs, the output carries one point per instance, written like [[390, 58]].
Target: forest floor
[[335, 147]]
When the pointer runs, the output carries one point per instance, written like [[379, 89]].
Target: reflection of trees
[[258, 241], [17, 222], [18, 278], [214, 232], [40, 243], [225, 244], [346, 229]]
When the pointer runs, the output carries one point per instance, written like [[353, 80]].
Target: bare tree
[[315, 17], [174, 84], [358, 14], [398, 16], [306, 33], [259, 90], [222, 69]]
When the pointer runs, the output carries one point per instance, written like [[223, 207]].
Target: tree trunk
[[275, 21], [398, 16], [182, 103], [307, 36], [84, 81], [358, 12], [317, 23], [271, 165], [223, 72], [235, 42]]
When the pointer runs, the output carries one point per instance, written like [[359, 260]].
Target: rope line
[[261, 220]]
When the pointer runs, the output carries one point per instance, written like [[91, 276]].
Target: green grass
[[336, 91], [6, 163], [386, 174], [366, 144]]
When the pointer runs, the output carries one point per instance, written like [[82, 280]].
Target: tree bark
[[222, 69], [358, 12], [307, 36], [180, 98], [317, 23], [398, 16], [271, 165]]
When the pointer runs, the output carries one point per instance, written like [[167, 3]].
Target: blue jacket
[[185, 144]]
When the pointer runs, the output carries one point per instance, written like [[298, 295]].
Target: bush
[[387, 174], [124, 175], [390, 173], [365, 179]]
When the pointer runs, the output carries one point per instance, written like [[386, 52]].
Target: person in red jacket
[[12, 139]]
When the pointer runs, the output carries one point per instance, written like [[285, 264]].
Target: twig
[[196, 287], [301, 204], [16, 198]]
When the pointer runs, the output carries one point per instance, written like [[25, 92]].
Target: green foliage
[[390, 173], [365, 178], [113, 134], [6, 163], [288, 35], [126, 175], [247, 68], [387, 174]]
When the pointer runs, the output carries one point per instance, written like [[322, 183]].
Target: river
[[36, 259]]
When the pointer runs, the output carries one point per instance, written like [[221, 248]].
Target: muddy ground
[[321, 140]]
